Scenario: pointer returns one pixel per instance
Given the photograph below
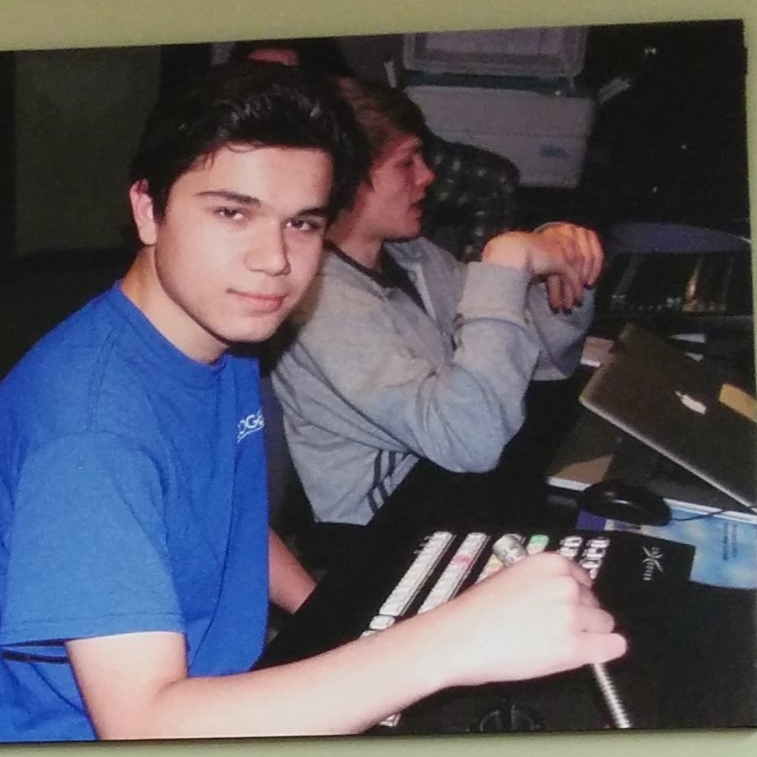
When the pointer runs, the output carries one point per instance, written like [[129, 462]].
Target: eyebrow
[[316, 211], [225, 194], [412, 149], [243, 199]]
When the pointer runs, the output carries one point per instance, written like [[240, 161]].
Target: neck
[[141, 285]]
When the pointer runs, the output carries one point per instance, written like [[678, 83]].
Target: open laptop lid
[[679, 407]]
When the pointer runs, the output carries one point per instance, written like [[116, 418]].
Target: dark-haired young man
[[135, 559]]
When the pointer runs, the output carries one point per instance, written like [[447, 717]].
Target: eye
[[229, 214], [308, 225]]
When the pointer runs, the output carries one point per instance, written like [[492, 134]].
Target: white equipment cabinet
[[509, 91]]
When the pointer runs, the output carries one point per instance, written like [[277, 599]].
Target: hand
[[567, 257], [535, 618], [582, 251]]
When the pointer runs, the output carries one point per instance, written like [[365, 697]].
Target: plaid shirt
[[471, 199]]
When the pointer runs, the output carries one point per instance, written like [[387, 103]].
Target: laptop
[[595, 450], [681, 409]]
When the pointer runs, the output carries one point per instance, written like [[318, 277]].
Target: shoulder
[[424, 255], [66, 352], [339, 290], [66, 375]]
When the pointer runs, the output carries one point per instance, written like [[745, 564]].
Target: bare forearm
[[536, 618], [290, 583], [340, 692]]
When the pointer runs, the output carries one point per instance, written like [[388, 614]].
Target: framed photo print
[[309, 375]]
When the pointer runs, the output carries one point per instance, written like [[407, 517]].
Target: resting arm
[[533, 619], [565, 262], [363, 370]]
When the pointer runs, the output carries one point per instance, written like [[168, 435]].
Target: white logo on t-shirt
[[252, 423]]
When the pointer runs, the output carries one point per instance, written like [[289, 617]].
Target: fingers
[[578, 573], [568, 258], [595, 257], [548, 564], [589, 252], [536, 617], [601, 647], [578, 263], [582, 256], [586, 598], [593, 619], [570, 586], [594, 630], [564, 291], [555, 295]]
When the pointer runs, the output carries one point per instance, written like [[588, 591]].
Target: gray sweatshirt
[[371, 382]]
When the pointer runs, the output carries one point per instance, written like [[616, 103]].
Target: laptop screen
[[680, 407]]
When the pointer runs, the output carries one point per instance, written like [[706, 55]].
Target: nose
[[425, 174], [267, 252]]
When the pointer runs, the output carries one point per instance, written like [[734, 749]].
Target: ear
[[143, 212]]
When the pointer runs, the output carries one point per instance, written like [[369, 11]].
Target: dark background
[[671, 147]]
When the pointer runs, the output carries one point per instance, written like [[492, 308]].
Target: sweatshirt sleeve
[[361, 372], [561, 335]]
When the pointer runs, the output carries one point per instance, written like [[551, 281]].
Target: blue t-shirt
[[132, 498]]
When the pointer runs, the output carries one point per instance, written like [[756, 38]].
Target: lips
[[266, 303]]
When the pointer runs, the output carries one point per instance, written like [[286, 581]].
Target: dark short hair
[[382, 112], [255, 104]]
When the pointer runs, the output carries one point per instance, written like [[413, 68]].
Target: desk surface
[[691, 666]]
